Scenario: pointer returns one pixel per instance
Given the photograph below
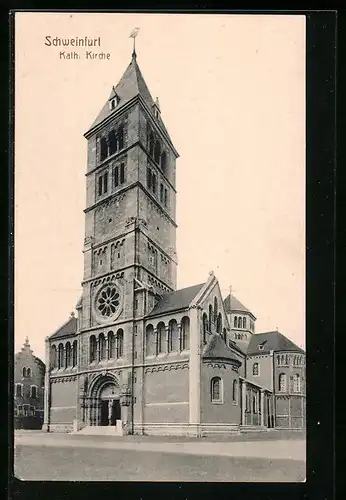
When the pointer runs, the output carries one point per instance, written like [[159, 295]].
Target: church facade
[[140, 356]]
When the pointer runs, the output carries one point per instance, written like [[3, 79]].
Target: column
[[65, 359], [167, 338], [107, 347], [262, 407], [195, 370], [179, 333], [47, 389], [155, 335], [243, 388], [98, 349]]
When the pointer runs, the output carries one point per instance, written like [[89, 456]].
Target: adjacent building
[[29, 376], [140, 356]]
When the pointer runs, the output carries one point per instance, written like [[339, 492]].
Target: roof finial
[[133, 35], [72, 314], [26, 342], [211, 273]]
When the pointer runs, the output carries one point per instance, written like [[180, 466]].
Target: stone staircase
[[101, 430]]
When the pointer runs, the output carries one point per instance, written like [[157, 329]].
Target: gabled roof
[[68, 328], [130, 85], [174, 301], [234, 304], [271, 341], [217, 349]]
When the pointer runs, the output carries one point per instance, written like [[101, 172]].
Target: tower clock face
[[108, 303]]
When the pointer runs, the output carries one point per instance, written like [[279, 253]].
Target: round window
[[107, 302]]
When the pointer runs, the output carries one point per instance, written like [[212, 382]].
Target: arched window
[[205, 326], [153, 182], [161, 330], [235, 392], [173, 336], [105, 182], [296, 383], [33, 391], [216, 390], [254, 403], [24, 371], [163, 160], [210, 317], [151, 144], [53, 357], [148, 178], [120, 343], [68, 354], [111, 345], [92, 348], [120, 137], [235, 322], [244, 322], [215, 310], [157, 152], [219, 323], [240, 322], [102, 347], [60, 356], [149, 340], [19, 390], [185, 333], [113, 143], [282, 382], [28, 372], [255, 369], [74, 353], [104, 149]]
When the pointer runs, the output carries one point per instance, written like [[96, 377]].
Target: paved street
[[100, 458]]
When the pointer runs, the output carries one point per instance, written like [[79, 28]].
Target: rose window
[[108, 301]]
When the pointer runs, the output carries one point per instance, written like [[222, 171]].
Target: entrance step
[[101, 430]]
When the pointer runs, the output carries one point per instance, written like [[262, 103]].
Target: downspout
[[273, 392]]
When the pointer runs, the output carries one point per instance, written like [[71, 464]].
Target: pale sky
[[232, 96]]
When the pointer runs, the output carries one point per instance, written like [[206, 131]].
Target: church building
[[140, 356]]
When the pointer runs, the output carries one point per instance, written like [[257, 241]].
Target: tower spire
[[133, 35]]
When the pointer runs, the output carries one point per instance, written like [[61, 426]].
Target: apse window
[[216, 390]]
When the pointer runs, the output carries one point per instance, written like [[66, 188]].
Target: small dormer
[[113, 100]]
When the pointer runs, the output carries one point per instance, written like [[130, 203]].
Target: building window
[[151, 144], [235, 322], [60, 356], [148, 178], [216, 390], [282, 382], [149, 340], [165, 201], [104, 149], [115, 177], [205, 327], [20, 410], [163, 160], [254, 403], [255, 369], [33, 390], [185, 333], [160, 337], [121, 137], [24, 372], [68, 353], [26, 409], [92, 348], [235, 392], [54, 358], [244, 322], [113, 143], [120, 343], [74, 353], [157, 152], [122, 173], [215, 310], [210, 317], [19, 390], [296, 383], [240, 322], [154, 183], [102, 347]]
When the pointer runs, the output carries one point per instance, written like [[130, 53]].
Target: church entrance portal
[[109, 405]]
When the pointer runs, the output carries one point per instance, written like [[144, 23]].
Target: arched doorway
[[110, 410], [104, 401]]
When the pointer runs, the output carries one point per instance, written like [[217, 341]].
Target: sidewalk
[[274, 449]]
